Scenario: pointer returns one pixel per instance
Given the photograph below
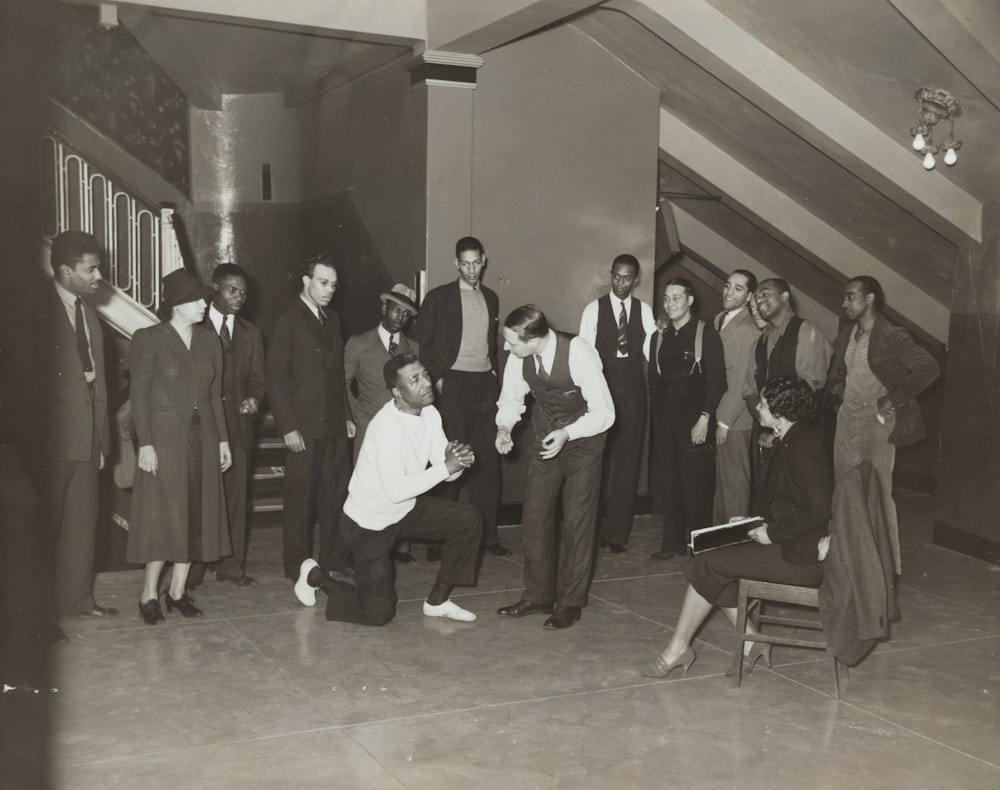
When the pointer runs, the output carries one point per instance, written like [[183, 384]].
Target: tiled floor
[[263, 693]]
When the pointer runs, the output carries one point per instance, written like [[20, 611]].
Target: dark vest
[[558, 401], [606, 341], [782, 359]]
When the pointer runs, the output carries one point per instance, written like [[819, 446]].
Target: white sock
[[450, 610]]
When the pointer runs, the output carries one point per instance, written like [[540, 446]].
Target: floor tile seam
[[888, 721], [274, 665], [939, 597], [512, 702]]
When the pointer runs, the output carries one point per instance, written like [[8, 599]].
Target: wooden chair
[[752, 596]]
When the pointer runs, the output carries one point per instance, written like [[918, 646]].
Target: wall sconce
[[935, 105]]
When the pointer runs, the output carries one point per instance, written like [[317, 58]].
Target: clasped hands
[[458, 456]]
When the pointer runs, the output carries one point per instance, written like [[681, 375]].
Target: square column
[[967, 509]]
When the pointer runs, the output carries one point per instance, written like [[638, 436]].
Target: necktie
[[321, 316], [622, 336], [542, 372], [393, 345], [227, 338], [82, 346]]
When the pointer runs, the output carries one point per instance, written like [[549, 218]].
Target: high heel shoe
[[660, 668], [184, 605], [761, 651], [150, 612]]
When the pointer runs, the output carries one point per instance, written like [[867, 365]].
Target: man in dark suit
[[75, 408], [365, 356], [242, 393], [457, 332], [733, 421], [304, 374]]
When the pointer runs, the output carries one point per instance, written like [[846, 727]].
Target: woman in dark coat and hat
[[178, 503]]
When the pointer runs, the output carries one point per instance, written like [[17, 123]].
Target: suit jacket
[[71, 413], [903, 367], [738, 338], [304, 374], [248, 350], [799, 490], [438, 330], [364, 358]]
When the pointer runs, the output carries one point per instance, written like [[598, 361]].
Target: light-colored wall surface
[[228, 147], [370, 137], [565, 147]]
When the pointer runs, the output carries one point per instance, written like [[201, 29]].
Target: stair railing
[[140, 239]]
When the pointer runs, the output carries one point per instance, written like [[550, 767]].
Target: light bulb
[[950, 157], [929, 161], [918, 142]]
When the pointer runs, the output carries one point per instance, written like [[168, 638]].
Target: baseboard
[[949, 537]]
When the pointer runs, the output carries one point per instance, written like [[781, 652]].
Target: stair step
[[269, 473], [271, 443], [267, 504]]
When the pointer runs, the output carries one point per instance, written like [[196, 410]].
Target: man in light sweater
[[404, 455]]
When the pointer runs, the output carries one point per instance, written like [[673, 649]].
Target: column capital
[[447, 69]]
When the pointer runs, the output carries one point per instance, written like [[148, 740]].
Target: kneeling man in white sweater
[[404, 455]]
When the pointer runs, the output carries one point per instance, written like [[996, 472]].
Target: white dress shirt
[[587, 373]]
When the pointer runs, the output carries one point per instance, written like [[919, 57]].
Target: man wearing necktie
[[242, 394], [619, 326], [304, 375], [365, 356], [571, 413], [75, 409], [733, 421]]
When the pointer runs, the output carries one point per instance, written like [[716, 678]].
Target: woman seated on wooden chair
[[787, 546]]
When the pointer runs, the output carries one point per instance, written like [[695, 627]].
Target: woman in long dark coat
[[791, 544], [178, 503]]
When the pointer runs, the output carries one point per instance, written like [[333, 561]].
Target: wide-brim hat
[[180, 287], [401, 295]]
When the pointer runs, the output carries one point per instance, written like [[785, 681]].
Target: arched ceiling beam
[[746, 65], [477, 27], [709, 248], [758, 200]]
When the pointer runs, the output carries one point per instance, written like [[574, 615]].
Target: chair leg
[[837, 667], [736, 670]]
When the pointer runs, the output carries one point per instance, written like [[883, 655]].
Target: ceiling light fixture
[[935, 105]]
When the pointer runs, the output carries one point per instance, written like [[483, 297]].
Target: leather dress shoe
[[563, 617], [665, 554], [614, 548], [239, 581], [521, 608], [150, 612], [184, 605], [497, 550], [434, 553], [98, 611]]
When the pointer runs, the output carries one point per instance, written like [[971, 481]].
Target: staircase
[[267, 480]]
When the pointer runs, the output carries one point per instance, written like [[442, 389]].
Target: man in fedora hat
[[366, 354]]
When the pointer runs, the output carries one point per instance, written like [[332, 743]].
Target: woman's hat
[[401, 295], [181, 286]]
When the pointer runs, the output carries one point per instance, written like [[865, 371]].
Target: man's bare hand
[[295, 442]]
